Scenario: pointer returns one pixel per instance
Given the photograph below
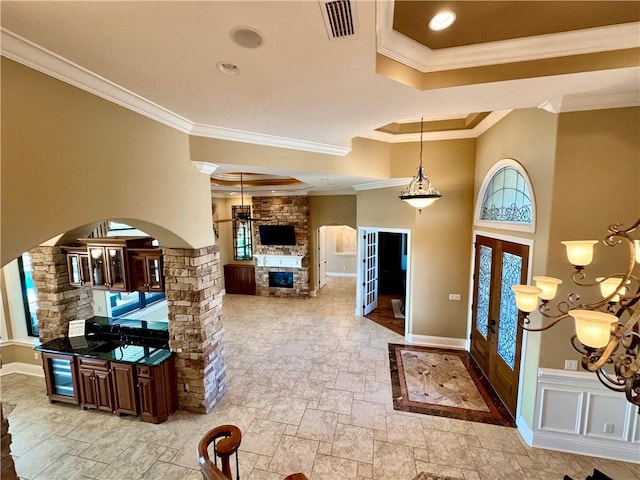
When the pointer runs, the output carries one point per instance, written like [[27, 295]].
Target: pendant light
[[420, 193]]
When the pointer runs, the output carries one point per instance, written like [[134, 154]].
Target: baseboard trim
[[525, 431], [341, 274], [614, 450], [24, 368], [437, 342]]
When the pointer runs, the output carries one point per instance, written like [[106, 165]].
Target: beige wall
[[19, 353], [327, 210], [368, 158], [529, 137], [597, 183], [70, 158], [440, 235]]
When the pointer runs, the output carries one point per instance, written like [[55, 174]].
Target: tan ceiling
[[482, 22], [303, 90]]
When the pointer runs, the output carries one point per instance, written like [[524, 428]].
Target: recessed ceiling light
[[228, 68], [232, 193], [442, 20], [246, 37]]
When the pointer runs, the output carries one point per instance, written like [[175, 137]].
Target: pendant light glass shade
[[420, 193], [593, 328]]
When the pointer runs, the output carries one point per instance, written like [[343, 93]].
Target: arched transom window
[[506, 198]]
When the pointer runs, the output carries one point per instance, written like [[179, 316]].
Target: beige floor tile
[[494, 465], [133, 462], [262, 437], [294, 455], [365, 470], [378, 391], [264, 475], [368, 414], [288, 410], [354, 443], [437, 469], [495, 437], [612, 468], [166, 471], [337, 401], [35, 461], [318, 425], [446, 448], [393, 462], [405, 430], [70, 467], [332, 468], [351, 382]]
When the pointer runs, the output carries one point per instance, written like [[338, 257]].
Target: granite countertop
[[106, 350]]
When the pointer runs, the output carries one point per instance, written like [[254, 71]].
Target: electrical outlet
[[608, 428], [571, 365], [454, 296]]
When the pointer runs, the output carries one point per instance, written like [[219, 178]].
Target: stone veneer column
[[58, 302], [193, 284]]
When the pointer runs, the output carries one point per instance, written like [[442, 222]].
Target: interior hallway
[[309, 387]]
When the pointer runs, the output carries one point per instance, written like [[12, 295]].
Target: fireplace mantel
[[288, 261]]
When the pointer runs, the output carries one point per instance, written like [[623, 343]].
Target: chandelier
[[420, 193], [607, 330]]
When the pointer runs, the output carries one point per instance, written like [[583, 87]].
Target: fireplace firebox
[[281, 279]]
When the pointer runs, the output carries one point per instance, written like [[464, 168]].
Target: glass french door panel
[[508, 327], [484, 290]]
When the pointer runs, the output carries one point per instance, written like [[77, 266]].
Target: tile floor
[[309, 387]]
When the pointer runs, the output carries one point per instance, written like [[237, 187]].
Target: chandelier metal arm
[[611, 383]]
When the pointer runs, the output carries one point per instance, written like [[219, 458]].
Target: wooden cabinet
[[78, 266], [108, 268], [240, 279], [146, 270], [157, 391], [124, 388], [61, 378], [95, 384], [105, 264]]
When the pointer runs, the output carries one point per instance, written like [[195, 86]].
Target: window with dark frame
[[241, 215], [29, 296]]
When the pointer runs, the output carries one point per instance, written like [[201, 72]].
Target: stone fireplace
[[282, 270]]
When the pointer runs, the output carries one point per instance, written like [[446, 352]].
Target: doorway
[[383, 277], [496, 337]]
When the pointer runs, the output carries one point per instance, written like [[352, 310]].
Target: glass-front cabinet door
[[116, 268], [99, 275], [154, 269], [108, 270]]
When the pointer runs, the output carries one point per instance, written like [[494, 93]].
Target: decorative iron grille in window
[[507, 198], [241, 215]]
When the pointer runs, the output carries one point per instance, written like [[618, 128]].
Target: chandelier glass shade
[[607, 329], [420, 193]]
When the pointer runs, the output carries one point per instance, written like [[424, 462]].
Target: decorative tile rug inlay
[[447, 383]]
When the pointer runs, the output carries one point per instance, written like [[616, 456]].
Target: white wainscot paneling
[[576, 413], [560, 410]]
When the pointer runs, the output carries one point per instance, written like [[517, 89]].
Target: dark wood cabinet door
[[88, 394], [124, 390], [146, 270], [240, 279], [104, 392], [146, 392]]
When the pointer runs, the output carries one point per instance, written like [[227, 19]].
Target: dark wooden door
[[147, 397], [87, 389], [496, 337], [104, 392], [124, 391]]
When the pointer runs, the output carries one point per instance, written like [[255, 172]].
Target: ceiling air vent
[[339, 18]]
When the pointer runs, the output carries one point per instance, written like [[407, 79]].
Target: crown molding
[[475, 132], [390, 182], [579, 103], [233, 135], [38, 58], [23, 51], [415, 55]]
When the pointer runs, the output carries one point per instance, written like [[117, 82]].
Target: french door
[[370, 271], [496, 337]]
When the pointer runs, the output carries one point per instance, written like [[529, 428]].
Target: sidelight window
[[29, 295], [241, 215]]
